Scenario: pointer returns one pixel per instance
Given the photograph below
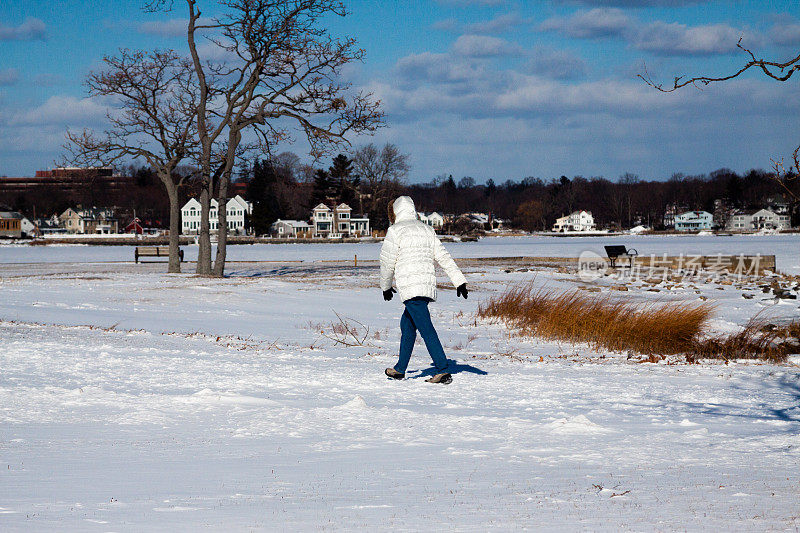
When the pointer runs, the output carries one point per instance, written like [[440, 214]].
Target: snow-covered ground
[[135, 400]]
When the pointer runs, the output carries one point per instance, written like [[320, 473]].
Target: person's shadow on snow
[[453, 368]]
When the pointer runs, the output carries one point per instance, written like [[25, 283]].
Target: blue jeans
[[417, 317]]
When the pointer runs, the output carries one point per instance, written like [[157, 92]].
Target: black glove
[[388, 293], [462, 290]]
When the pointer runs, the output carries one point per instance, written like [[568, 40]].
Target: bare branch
[[787, 69]]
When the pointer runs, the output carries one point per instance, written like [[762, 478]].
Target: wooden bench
[[616, 251], [154, 251]]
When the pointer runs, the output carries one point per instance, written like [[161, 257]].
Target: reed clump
[[602, 321]]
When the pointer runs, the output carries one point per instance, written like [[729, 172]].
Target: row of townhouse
[[96, 221], [751, 220], [740, 220]]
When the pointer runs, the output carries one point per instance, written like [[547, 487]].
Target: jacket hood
[[404, 209]]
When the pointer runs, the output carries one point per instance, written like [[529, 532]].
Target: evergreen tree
[[324, 188], [490, 188], [345, 184], [262, 191]]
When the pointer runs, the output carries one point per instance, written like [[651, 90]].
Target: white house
[[291, 229], [338, 222], [27, 227], [434, 220], [694, 220], [575, 221], [756, 219], [237, 208]]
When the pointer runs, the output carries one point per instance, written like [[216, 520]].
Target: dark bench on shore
[[616, 251], [154, 251]]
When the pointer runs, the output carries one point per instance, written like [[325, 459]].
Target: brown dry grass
[[649, 328], [758, 340]]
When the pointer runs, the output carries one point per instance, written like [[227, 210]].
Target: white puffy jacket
[[408, 253]]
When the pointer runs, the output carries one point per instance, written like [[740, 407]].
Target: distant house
[[475, 220], [28, 228], [134, 227], [237, 209], [670, 213], [575, 221], [694, 221], [434, 220], [756, 219], [338, 222], [10, 224], [291, 229], [49, 226], [89, 221]]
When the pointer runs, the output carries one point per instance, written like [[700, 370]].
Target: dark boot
[[444, 379], [394, 374]]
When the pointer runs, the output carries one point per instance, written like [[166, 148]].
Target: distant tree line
[[535, 203], [368, 179], [282, 188]]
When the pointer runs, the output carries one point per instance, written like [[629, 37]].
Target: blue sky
[[486, 88]]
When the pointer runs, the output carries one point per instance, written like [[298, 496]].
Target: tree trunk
[[174, 227], [222, 225], [204, 238]]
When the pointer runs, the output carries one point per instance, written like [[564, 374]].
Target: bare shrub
[[347, 331]]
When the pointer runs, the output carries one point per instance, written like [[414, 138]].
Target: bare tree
[[155, 122], [381, 171], [784, 174], [280, 69]]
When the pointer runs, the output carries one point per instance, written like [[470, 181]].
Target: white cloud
[[499, 24], [483, 46], [32, 29], [440, 68], [64, 111], [670, 39], [9, 76], [786, 32], [592, 24], [679, 39], [557, 64]]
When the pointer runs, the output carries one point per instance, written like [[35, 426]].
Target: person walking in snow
[[407, 255]]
